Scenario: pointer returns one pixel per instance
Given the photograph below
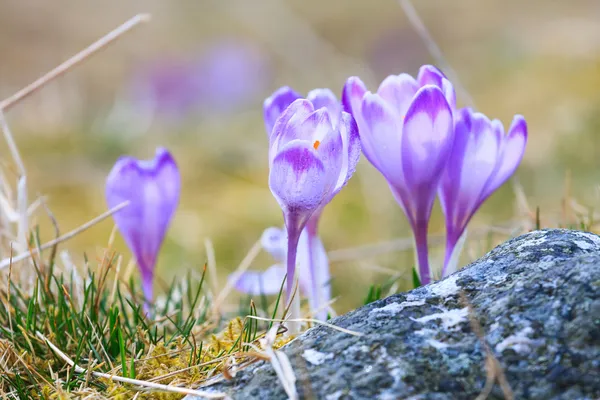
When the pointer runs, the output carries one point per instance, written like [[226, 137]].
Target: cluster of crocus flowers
[[409, 129], [413, 134], [151, 188]]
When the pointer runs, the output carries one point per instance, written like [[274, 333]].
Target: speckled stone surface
[[537, 298]]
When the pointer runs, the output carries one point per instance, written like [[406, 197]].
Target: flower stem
[[147, 281], [454, 246], [421, 251], [293, 237]]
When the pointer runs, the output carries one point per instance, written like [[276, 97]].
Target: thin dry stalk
[[73, 61], [69, 235], [313, 321]]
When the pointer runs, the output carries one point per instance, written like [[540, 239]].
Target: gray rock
[[537, 298]]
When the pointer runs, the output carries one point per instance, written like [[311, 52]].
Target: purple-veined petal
[[298, 179], [152, 189], [380, 137], [351, 150], [450, 183], [449, 93], [257, 283], [274, 105], [352, 97], [473, 162], [328, 143], [430, 75], [427, 138], [325, 98], [398, 91], [274, 241], [513, 149], [286, 126]]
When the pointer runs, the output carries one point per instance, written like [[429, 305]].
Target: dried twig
[[314, 321], [6, 262]]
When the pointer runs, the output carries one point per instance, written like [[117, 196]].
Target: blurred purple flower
[[225, 77], [482, 159], [406, 133], [313, 269], [313, 151], [152, 189]]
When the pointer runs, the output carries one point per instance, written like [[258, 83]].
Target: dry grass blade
[[492, 365], [146, 384], [313, 321], [73, 61], [6, 262], [433, 48], [281, 364]]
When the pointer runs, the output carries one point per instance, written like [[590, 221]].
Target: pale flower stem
[[293, 238], [421, 252], [453, 249], [315, 295], [295, 314]]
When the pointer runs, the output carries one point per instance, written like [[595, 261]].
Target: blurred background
[[194, 79]]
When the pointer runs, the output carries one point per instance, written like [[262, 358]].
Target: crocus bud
[[406, 133], [152, 189], [482, 159]]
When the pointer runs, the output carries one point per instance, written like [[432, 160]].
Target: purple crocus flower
[[152, 189], [226, 76], [314, 149], [406, 133], [482, 159]]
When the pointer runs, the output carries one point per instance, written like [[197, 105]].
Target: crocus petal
[[398, 91], [327, 142], [380, 136], [274, 241], [298, 179], [513, 149], [479, 163], [352, 97], [256, 283], [325, 98], [152, 189], [430, 75], [284, 131], [426, 142], [351, 150], [274, 105]]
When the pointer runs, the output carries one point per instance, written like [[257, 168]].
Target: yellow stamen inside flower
[[316, 144]]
